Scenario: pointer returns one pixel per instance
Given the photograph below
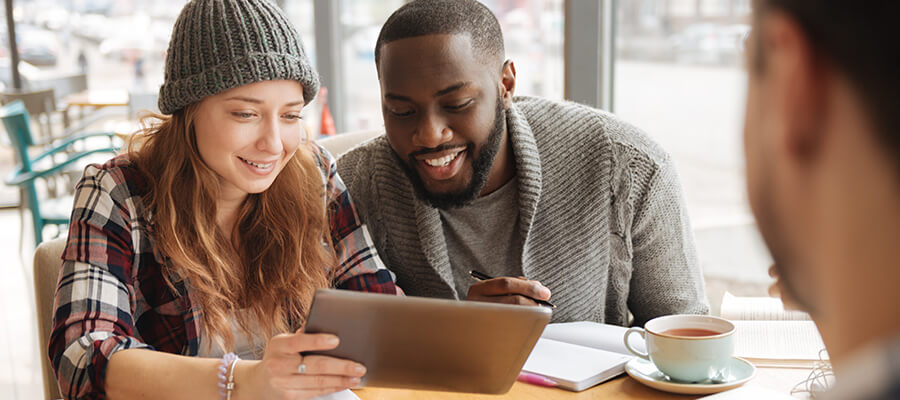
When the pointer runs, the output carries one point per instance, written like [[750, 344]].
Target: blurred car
[[36, 46], [94, 27], [707, 43], [126, 48], [27, 72], [38, 55], [102, 7], [53, 18]]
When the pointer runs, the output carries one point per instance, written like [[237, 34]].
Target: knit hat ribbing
[[218, 45]]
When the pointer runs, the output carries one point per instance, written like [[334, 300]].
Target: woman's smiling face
[[247, 134]]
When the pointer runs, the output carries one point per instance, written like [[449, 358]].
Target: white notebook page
[[592, 334], [758, 308], [777, 340], [574, 367]]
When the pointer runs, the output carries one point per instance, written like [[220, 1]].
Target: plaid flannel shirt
[[112, 293]]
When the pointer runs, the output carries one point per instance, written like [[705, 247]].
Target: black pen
[[481, 276]]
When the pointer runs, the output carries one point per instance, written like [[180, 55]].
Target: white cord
[[820, 379]]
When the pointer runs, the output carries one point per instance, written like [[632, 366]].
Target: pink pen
[[536, 379]]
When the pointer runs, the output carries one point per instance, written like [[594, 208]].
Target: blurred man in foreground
[[822, 140]]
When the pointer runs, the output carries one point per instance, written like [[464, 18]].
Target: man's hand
[[509, 291], [777, 290]]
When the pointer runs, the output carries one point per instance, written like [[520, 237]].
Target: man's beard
[[481, 168]]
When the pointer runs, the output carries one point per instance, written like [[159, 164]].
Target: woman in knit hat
[[210, 236]]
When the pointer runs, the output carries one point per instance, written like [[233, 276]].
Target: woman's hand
[[777, 290], [279, 374]]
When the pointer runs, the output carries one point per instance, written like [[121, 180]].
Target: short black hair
[[435, 17], [860, 38]]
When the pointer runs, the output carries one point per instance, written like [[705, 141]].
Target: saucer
[[739, 372]]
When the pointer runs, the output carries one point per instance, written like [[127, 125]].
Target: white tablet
[[429, 344]]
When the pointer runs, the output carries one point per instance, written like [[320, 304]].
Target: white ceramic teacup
[[687, 348]]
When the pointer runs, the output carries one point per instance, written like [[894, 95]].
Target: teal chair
[[53, 160]]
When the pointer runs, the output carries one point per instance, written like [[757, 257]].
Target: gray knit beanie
[[223, 44]]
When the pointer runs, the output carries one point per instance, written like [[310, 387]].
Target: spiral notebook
[[579, 355]]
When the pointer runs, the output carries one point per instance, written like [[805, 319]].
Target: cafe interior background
[[671, 67]]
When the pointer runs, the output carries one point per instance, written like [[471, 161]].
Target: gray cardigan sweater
[[600, 208]]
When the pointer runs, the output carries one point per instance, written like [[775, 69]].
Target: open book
[[769, 336], [578, 355]]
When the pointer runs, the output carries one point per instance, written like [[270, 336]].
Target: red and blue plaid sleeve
[[359, 267], [93, 313]]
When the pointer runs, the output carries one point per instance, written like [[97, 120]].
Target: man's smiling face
[[443, 113]]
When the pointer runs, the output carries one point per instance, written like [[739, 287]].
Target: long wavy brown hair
[[279, 252]]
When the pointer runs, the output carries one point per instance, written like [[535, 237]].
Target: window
[[120, 45], [361, 22], [533, 38], [301, 14], [679, 76]]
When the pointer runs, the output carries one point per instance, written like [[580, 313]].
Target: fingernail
[[545, 291], [360, 369], [332, 341], [354, 381]]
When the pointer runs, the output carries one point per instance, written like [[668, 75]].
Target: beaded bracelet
[[226, 382]]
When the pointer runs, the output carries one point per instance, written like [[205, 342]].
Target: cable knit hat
[[222, 44]]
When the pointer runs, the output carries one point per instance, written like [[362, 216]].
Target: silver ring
[[301, 369]]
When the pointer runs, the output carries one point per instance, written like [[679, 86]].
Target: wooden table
[[624, 387], [97, 98], [93, 100]]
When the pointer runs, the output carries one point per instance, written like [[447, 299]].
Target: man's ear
[[508, 82], [800, 84]]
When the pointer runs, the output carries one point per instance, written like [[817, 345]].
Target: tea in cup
[[687, 348]]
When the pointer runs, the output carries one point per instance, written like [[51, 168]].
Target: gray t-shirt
[[484, 236]]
